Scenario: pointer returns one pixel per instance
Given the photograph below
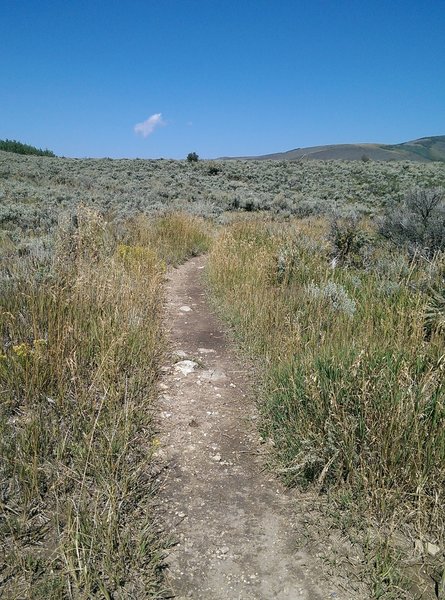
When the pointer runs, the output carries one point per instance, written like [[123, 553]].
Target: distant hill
[[19, 148], [425, 149]]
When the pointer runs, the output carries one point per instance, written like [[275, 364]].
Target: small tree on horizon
[[192, 157]]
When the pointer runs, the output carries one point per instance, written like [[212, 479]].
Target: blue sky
[[219, 77]]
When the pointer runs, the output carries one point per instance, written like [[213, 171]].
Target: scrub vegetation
[[348, 332], [332, 275], [34, 191]]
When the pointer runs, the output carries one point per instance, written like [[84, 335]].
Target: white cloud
[[147, 127]]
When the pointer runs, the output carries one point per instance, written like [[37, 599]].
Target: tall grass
[[174, 236], [354, 390], [81, 345]]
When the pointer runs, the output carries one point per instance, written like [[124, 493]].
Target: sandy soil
[[235, 526]]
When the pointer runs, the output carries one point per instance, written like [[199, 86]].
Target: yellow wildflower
[[22, 350]]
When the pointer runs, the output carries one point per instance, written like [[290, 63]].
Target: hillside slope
[[422, 150]]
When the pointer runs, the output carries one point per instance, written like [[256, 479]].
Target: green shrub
[[214, 169], [192, 157], [348, 237], [418, 222]]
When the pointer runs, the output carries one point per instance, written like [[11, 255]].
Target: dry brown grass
[[82, 343]]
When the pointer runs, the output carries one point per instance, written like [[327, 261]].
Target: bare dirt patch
[[235, 526]]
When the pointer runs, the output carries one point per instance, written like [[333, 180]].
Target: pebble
[[432, 549], [186, 366]]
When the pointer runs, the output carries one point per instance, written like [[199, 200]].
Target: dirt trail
[[233, 521]]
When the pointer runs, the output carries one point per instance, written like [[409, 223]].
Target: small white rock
[[186, 366], [185, 308], [432, 549]]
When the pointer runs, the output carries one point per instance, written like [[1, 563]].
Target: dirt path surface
[[232, 520]]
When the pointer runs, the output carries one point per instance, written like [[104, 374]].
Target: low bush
[[348, 237], [418, 222]]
